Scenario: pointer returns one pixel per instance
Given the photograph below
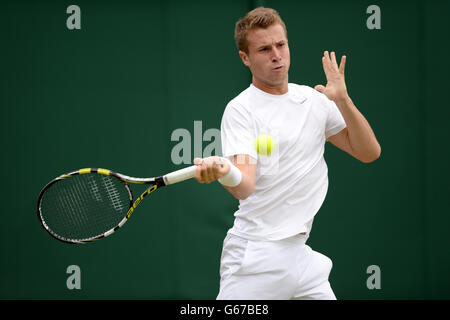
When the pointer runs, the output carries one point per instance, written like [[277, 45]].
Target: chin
[[278, 82]]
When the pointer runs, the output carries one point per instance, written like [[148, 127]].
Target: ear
[[244, 58]]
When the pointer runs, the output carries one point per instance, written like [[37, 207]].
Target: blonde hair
[[257, 18]]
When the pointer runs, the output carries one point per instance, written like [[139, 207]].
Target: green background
[[110, 95]]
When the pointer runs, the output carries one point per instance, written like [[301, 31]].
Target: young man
[[265, 255]]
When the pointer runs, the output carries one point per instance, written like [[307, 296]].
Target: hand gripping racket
[[92, 203]]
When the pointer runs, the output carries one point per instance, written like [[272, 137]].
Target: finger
[[224, 168], [325, 66], [210, 173], [326, 61], [197, 161], [220, 163], [342, 66], [217, 162], [333, 60], [207, 166], [326, 58], [204, 171], [319, 88], [198, 174], [217, 168]]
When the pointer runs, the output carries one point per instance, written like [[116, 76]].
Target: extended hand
[[336, 89]]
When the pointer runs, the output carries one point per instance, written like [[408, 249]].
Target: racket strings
[[115, 196], [84, 206]]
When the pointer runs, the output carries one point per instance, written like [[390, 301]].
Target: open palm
[[335, 89]]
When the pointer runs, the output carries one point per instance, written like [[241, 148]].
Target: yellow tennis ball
[[264, 144]]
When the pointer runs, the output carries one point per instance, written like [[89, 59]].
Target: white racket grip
[[179, 175]]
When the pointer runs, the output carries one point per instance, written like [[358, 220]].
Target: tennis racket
[[92, 203]]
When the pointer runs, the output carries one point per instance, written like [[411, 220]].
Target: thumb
[[223, 167], [319, 88], [197, 161]]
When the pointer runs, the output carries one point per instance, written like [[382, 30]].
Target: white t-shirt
[[291, 182]]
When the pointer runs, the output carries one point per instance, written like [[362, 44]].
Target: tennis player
[[265, 255]]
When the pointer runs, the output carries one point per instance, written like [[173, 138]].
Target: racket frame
[[154, 182]]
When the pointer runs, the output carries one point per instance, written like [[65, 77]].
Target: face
[[268, 58]]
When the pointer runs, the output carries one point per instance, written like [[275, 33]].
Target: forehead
[[260, 37]]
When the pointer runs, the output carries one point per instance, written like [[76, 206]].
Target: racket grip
[[179, 175]]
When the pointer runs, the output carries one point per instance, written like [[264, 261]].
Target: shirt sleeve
[[237, 132], [335, 120]]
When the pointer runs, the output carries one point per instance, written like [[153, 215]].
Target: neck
[[277, 89]]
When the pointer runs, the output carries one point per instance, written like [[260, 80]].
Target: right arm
[[248, 169]]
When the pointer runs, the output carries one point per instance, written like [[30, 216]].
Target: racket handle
[[179, 175]]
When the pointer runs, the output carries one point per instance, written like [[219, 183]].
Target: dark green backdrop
[[111, 94]]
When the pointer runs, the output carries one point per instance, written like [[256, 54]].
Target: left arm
[[357, 138]]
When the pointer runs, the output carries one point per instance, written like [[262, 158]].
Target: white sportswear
[[291, 182]]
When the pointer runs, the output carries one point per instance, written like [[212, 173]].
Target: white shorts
[[270, 270]]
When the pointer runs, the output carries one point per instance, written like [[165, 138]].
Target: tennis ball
[[264, 144]]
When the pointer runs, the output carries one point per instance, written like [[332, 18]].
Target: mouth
[[277, 68]]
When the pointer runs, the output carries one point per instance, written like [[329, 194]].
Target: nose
[[276, 55]]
